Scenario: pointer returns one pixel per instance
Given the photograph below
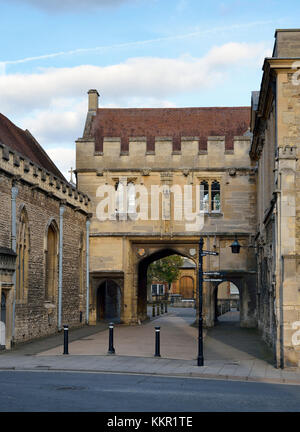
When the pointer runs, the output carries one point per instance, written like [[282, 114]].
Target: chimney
[[93, 100]]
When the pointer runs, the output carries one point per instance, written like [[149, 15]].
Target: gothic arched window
[[204, 196], [131, 207], [215, 196], [210, 196], [23, 257], [51, 262]]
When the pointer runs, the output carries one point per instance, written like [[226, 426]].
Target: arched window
[[51, 262], [23, 257], [215, 196], [81, 264], [120, 208], [204, 196], [210, 196], [131, 198]]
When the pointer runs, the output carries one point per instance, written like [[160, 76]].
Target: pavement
[[230, 352]]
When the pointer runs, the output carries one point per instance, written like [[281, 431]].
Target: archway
[[3, 322], [108, 301], [142, 277], [227, 302]]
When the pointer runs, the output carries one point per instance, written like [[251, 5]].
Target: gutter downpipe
[[61, 223], [14, 194], [88, 222], [279, 259]]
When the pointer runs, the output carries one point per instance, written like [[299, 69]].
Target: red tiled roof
[[25, 144], [171, 122]]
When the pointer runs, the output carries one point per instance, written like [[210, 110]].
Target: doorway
[[108, 301], [3, 322], [227, 303]]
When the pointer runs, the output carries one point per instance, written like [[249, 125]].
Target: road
[[79, 392]]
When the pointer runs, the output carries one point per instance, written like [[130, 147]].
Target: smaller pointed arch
[[23, 250]]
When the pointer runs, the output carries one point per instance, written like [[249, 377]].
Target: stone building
[[186, 284], [162, 154], [43, 232], [275, 123]]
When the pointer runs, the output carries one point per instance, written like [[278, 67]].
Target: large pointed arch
[[51, 260]]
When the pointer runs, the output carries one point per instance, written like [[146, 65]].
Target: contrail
[[130, 44]]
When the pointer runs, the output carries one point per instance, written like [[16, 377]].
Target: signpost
[[212, 280], [203, 253]]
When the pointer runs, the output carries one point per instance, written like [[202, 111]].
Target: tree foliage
[[165, 270]]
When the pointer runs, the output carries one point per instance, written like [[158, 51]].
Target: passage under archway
[[108, 301], [2, 320], [227, 302]]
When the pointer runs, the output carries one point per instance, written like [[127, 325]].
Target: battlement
[[163, 155], [15, 164], [287, 152]]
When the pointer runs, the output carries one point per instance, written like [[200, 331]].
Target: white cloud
[[52, 104], [64, 158], [143, 77], [71, 5]]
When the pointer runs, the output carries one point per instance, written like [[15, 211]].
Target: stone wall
[[41, 195]]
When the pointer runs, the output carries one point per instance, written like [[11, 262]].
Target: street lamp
[[235, 246]]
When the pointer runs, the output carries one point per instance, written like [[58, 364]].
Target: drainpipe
[[60, 268], [88, 222], [14, 194]]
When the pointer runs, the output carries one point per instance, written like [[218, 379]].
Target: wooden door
[[187, 287]]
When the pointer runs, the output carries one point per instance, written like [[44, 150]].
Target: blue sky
[[152, 53]]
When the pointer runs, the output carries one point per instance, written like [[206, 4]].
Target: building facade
[[275, 149], [43, 234], [159, 154]]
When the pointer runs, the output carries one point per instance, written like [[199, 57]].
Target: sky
[[136, 53]]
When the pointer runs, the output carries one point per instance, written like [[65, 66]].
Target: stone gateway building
[[241, 165], [153, 150], [43, 221]]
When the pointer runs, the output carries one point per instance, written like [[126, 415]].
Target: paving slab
[[230, 352]]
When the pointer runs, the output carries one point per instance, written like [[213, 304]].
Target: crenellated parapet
[[23, 169], [163, 156]]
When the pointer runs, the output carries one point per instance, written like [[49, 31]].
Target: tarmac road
[[105, 392]]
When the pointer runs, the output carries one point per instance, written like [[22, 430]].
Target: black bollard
[[157, 342], [157, 309], [111, 349], [162, 308], [66, 339], [153, 309], [166, 307]]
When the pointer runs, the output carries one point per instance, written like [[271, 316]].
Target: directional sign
[[209, 253], [212, 280], [212, 273]]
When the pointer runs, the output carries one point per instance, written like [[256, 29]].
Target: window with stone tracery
[[210, 196], [125, 197]]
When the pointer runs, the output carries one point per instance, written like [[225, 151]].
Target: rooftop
[[24, 143], [169, 122]]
